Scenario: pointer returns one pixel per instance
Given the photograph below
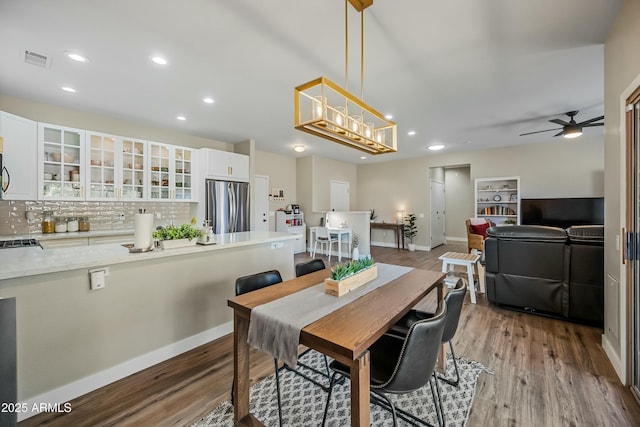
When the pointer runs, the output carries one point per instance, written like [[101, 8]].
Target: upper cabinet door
[[61, 164], [102, 164], [183, 172], [159, 171], [133, 168], [226, 165], [20, 137]]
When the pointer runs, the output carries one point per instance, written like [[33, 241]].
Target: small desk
[[470, 261], [398, 229], [333, 230], [370, 316]]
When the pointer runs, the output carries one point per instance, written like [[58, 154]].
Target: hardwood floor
[[547, 373]]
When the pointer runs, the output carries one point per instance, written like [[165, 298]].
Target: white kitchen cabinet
[[116, 168], [20, 136], [171, 171], [225, 165], [61, 163], [498, 199]]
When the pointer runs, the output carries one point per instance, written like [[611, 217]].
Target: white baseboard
[[384, 244], [615, 360], [93, 382]]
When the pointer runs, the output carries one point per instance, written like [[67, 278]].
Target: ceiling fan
[[570, 129]]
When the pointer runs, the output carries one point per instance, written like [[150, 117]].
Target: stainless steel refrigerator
[[227, 206]]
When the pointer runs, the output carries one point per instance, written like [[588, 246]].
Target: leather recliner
[[547, 270]]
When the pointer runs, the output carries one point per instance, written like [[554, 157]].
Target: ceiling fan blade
[[540, 131], [595, 119], [590, 125], [560, 122], [559, 133]]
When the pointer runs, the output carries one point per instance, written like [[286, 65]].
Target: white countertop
[[21, 262]]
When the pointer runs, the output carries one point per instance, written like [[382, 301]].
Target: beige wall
[[325, 171], [622, 75], [83, 120], [281, 171], [555, 169]]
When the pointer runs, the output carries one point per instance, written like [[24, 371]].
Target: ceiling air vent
[[35, 59]]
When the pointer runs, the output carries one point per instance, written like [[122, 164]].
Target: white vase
[[355, 253], [412, 247]]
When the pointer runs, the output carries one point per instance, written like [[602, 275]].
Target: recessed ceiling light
[[388, 116], [208, 100], [68, 89], [299, 148], [411, 132], [435, 147], [76, 57], [363, 157], [159, 60], [183, 118]]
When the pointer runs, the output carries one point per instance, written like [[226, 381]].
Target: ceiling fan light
[[572, 132]]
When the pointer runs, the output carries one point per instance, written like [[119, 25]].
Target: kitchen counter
[[153, 306], [22, 262]]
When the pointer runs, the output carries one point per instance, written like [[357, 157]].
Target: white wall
[[458, 201]]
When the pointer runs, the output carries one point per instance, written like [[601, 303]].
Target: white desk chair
[[324, 238]]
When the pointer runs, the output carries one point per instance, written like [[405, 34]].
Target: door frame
[[630, 267], [255, 191], [444, 217]]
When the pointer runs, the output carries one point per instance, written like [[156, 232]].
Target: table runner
[[275, 327]]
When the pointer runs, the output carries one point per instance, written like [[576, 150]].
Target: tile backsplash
[[102, 215]]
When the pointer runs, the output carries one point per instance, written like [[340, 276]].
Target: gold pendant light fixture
[[324, 109]]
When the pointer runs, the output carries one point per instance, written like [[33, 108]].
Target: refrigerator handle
[[232, 208]]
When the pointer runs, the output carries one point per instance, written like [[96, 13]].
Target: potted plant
[[410, 230], [173, 236], [355, 253], [372, 215], [350, 275]]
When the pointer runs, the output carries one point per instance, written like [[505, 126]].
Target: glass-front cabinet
[[183, 170], [102, 164], [117, 167], [133, 169], [170, 171], [61, 162]]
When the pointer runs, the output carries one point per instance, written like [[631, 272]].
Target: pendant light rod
[[346, 45], [362, 55]]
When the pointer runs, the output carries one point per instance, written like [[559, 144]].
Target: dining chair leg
[[437, 401], [455, 382], [275, 362], [326, 406]]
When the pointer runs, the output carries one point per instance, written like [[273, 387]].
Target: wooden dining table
[[345, 334]]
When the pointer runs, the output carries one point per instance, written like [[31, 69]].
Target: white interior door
[[339, 196], [437, 210], [261, 189]]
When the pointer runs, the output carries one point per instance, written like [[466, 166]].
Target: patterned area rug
[[303, 403]]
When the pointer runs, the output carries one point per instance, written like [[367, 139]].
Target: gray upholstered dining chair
[[453, 300], [254, 282], [402, 365]]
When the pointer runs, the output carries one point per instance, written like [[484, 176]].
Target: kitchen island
[[154, 305]]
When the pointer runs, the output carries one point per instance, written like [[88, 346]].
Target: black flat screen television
[[563, 212]]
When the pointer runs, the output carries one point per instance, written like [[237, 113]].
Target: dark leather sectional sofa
[[547, 270]]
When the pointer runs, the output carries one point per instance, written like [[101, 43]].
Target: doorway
[[633, 227], [261, 200], [437, 213]]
